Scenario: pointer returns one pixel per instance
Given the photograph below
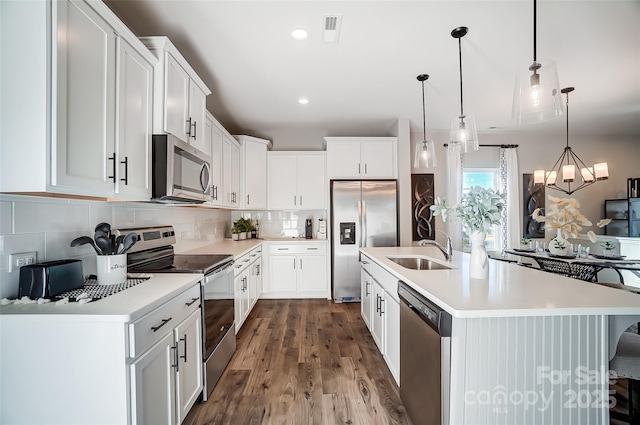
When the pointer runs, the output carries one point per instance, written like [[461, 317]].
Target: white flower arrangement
[[479, 209], [564, 214]]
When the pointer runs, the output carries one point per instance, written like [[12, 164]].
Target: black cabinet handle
[[164, 322], [126, 170], [113, 158], [192, 301], [189, 127], [175, 357], [195, 127], [185, 348]]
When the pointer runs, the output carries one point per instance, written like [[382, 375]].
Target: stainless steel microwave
[[181, 173]]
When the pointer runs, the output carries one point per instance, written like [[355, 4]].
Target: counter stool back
[[626, 364]]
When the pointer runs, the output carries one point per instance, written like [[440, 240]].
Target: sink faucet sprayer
[[447, 250]]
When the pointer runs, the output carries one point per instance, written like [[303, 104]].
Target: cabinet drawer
[[241, 263], [298, 249], [152, 327], [386, 280]]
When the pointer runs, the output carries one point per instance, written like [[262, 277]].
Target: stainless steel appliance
[[154, 253], [425, 358], [181, 173], [363, 214]]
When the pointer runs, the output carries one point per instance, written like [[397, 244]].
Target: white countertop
[[125, 306], [510, 291], [239, 248]]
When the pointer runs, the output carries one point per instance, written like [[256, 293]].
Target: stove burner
[[98, 292]]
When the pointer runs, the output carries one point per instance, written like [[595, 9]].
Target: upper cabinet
[[361, 157], [214, 136], [230, 172], [179, 95], [253, 172], [83, 123], [297, 180]]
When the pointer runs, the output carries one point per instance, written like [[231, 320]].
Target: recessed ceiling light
[[299, 34], [303, 101]]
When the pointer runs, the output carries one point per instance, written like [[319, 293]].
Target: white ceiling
[[365, 82]]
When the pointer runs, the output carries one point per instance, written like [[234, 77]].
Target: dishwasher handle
[[438, 319]]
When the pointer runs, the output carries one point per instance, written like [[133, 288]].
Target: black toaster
[[45, 280]]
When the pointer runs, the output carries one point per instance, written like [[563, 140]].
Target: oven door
[[217, 297]]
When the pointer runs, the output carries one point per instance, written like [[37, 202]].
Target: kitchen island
[[526, 346]]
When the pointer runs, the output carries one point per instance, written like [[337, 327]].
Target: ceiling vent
[[331, 27]]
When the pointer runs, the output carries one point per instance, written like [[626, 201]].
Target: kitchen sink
[[418, 263]]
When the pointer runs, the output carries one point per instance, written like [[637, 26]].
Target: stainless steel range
[[154, 253]]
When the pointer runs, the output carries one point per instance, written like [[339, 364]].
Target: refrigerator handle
[[363, 231]]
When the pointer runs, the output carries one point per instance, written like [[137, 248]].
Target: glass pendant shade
[[463, 133], [425, 155], [536, 95]]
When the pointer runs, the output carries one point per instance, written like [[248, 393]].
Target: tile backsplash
[[48, 225], [282, 224]]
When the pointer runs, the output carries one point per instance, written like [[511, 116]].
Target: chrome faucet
[[447, 250]]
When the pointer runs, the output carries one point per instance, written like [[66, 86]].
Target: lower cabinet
[[166, 379], [247, 284], [298, 271], [380, 309]]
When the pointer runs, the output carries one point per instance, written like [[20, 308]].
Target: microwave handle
[[205, 184]]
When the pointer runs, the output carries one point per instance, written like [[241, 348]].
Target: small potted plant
[[235, 232], [608, 248], [525, 243]]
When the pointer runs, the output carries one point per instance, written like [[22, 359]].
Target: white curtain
[[454, 193], [510, 185]]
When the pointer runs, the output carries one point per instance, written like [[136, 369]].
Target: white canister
[[112, 269]]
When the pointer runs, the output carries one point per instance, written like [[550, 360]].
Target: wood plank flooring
[[303, 362]]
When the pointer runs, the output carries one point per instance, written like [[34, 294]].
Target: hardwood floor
[[303, 362]]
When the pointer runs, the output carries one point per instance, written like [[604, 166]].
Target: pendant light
[[463, 128], [537, 93], [425, 151], [566, 168]]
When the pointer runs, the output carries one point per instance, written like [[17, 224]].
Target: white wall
[[541, 152], [48, 225]]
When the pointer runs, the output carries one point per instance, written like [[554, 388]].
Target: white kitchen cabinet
[[231, 172], [167, 378], [214, 134], [247, 284], [297, 270], [366, 296], [69, 136], [297, 180], [253, 172], [179, 95], [153, 384], [134, 103], [189, 371], [361, 157], [380, 309]]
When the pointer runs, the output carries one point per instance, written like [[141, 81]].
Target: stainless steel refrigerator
[[363, 214]]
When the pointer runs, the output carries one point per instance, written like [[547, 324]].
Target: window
[[487, 178]]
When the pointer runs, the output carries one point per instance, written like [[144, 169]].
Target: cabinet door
[[343, 160], [153, 385], [392, 336], [312, 273], [83, 146], [241, 298], [282, 181], [282, 273], [255, 175], [377, 312], [231, 172], [378, 159], [215, 139], [366, 297], [134, 96], [197, 110], [189, 383], [311, 182], [177, 99]]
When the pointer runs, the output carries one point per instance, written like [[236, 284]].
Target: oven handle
[[227, 268]]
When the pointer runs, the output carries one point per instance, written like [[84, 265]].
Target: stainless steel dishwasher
[[425, 348]]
